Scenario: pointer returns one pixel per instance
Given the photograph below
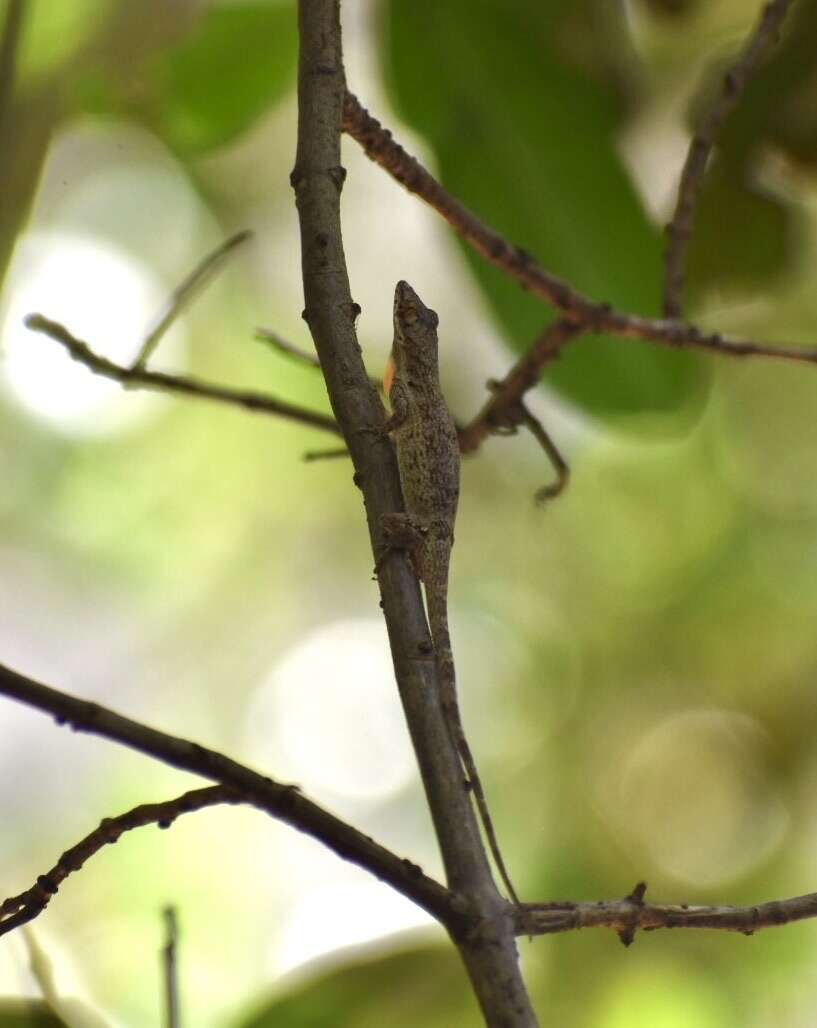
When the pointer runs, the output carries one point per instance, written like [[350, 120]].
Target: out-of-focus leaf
[[525, 134], [28, 1013], [74, 1012], [745, 236], [53, 32], [423, 986], [201, 92], [671, 8]]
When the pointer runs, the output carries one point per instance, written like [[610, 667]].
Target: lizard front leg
[[400, 400], [405, 533]]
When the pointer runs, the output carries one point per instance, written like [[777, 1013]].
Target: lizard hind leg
[[405, 533]]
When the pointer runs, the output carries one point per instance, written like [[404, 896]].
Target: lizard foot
[[401, 532]]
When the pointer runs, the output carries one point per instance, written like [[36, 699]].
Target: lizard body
[[428, 456]]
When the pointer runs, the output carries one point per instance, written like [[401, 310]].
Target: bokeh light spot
[[103, 296], [693, 790], [330, 717]]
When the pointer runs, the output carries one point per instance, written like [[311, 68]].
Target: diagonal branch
[[140, 378], [186, 291], [506, 411], [590, 315], [381, 147], [502, 413], [679, 229], [284, 346], [18, 910], [284, 802]]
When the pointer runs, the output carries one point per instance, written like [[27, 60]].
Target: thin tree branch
[[17, 910], [679, 229], [183, 294], [589, 315], [502, 414], [311, 456], [628, 915], [139, 378], [170, 968], [540, 434], [506, 411], [624, 916], [488, 949], [266, 335], [284, 802]]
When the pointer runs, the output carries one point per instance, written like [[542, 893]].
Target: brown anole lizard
[[428, 456]]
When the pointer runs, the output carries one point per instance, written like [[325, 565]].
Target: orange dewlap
[[388, 375]]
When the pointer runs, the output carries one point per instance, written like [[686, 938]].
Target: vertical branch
[[679, 230], [170, 969], [487, 948]]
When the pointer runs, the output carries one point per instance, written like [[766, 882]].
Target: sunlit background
[[637, 661]]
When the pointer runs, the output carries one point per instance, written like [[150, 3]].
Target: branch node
[[636, 901], [338, 176], [637, 895]]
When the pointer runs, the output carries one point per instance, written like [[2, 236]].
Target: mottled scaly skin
[[428, 456]]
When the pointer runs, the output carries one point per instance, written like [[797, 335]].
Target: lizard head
[[415, 333]]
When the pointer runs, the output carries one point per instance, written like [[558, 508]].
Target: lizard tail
[[437, 602]]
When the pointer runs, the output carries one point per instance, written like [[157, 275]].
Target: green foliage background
[[637, 661]]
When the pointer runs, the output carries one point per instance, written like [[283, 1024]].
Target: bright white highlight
[[329, 717], [103, 296], [349, 914]]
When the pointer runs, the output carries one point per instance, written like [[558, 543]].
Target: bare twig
[[17, 910], [183, 294], [489, 952], [679, 229], [589, 315], [159, 381], [266, 335], [315, 455], [502, 413], [506, 411], [539, 433], [170, 968], [628, 915], [284, 802]]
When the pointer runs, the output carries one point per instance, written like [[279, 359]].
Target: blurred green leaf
[[422, 986], [745, 234], [204, 90], [27, 1013], [75, 1012], [525, 134], [743, 237], [55, 31]]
